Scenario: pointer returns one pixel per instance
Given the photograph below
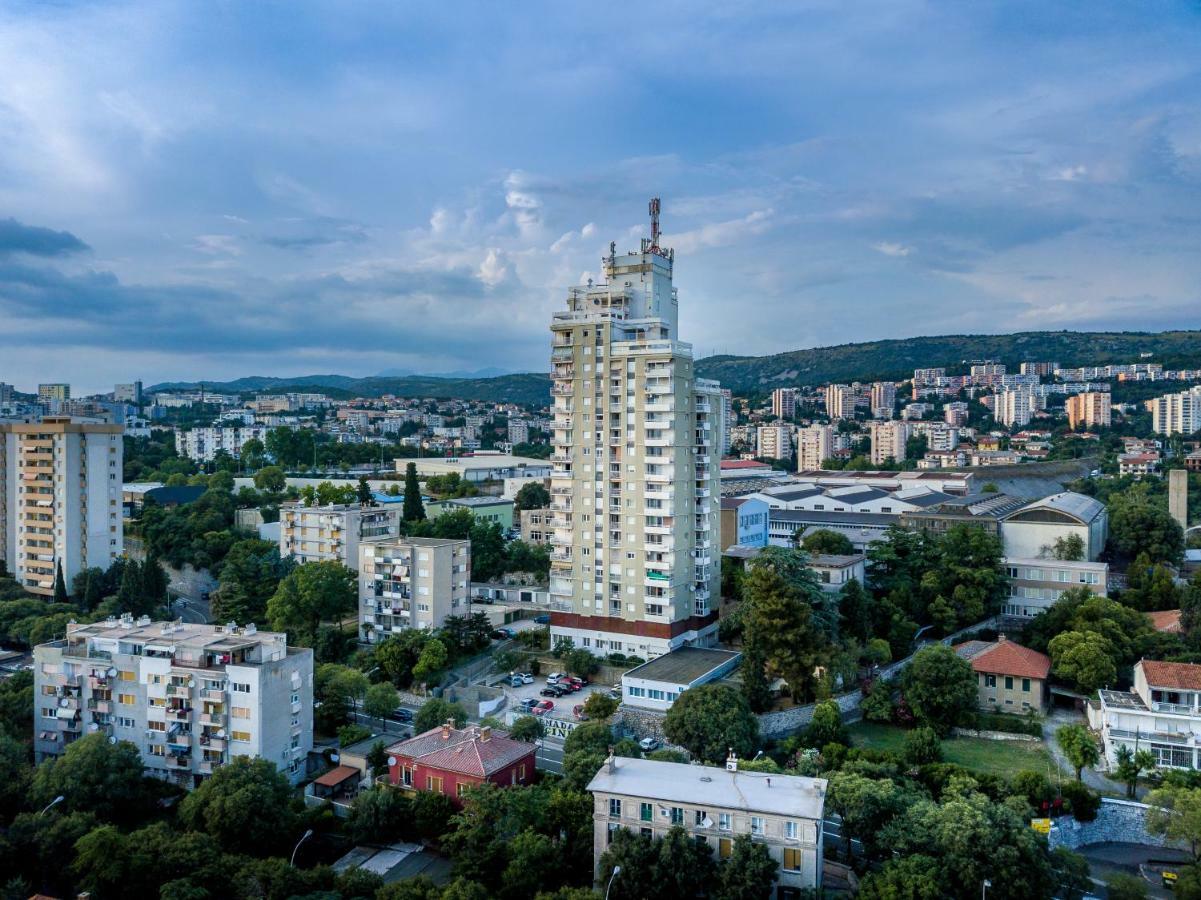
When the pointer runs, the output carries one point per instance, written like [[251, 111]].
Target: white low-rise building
[[783, 813], [1161, 714], [1032, 531], [658, 684], [1035, 584]]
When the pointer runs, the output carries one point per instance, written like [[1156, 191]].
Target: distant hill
[[896, 359], [892, 360]]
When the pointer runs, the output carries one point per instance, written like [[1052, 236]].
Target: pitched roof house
[[1010, 677], [451, 760]]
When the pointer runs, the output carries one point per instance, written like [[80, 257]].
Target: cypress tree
[[60, 585], [414, 509]]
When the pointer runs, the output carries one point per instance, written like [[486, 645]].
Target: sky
[[202, 191]]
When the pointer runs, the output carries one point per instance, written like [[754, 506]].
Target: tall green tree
[[250, 575], [1085, 658], [312, 593], [940, 687], [244, 803], [414, 509], [778, 627], [60, 584], [95, 776], [1079, 747], [1174, 811], [532, 495], [749, 873], [710, 720], [380, 700]]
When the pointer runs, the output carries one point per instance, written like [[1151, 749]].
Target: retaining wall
[[1118, 821]]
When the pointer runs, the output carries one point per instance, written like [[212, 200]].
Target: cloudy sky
[[215, 189]]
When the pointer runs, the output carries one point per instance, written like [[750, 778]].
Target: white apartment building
[[783, 403], [955, 414], [883, 399], [635, 477], [411, 583], [923, 379], [1013, 407], [312, 533], [519, 431], [189, 697], [203, 444], [1161, 714], [54, 393], [783, 813], [940, 437], [1090, 409], [840, 401], [60, 499], [1036, 583], [987, 373], [727, 420], [815, 444], [888, 441], [1178, 413], [775, 441]]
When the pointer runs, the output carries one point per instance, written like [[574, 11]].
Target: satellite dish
[[191, 682], [111, 672], [706, 822], [63, 702], [220, 732], [112, 740], [391, 761], [93, 727]]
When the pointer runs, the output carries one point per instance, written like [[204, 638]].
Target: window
[[128, 676], [644, 832], [646, 812], [156, 726], [1009, 682], [406, 776], [614, 808], [127, 699], [723, 821], [157, 750], [756, 825], [677, 815], [433, 784], [791, 831], [460, 789], [792, 859], [701, 816], [243, 736], [125, 722], [990, 681], [1026, 685], [239, 688], [725, 847], [240, 712]]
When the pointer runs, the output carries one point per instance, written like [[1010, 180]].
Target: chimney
[[732, 761], [610, 762], [446, 727], [485, 734]]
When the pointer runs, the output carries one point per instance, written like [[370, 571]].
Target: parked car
[[400, 714], [543, 619], [561, 690], [527, 678], [581, 680], [555, 677], [485, 600], [615, 693], [648, 744], [503, 634], [529, 703], [543, 707], [550, 691], [571, 685], [515, 681], [578, 712]]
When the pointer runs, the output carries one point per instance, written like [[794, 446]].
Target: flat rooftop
[[174, 634], [711, 787], [683, 666]]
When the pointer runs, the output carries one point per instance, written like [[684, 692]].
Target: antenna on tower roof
[[654, 210]]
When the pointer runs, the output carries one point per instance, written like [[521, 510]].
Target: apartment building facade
[[203, 444], [1013, 407], [775, 441], [783, 813], [815, 444], [60, 498], [888, 441], [1178, 413], [883, 399], [783, 403], [1092, 410], [1161, 713], [635, 474], [840, 401], [1036, 583], [190, 697], [335, 531], [411, 583]]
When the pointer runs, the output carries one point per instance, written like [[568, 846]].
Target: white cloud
[[889, 248], [493, 270]]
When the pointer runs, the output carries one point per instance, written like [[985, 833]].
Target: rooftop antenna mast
[[654, 210]]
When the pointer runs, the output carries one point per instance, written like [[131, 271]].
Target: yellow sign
[[1042, 826]]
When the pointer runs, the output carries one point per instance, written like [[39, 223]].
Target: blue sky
[[208, 190]]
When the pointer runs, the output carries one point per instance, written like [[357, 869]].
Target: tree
[[599, 706], [915, 877], [864, 805], [755, 687], [825, 541], [527, 728], [1085, 658], [940, 687], [748, 873], [310, 594], [1078, 746], [380, 700], [922, 746], [826, 726], [60, 584], [535, 864], [855, 611], [244, 803], [580, 661], [435, 712], [711, 720], [414, 509], [270, 479], [397, 655], [1131, 764], [1175, 813], [777, 616], [380, 815], [1121, 886], [249, 576], [433, 659], [1069, 548], [532, 495], [671, 866], [1138, 525], [877, 705], [95, 776]]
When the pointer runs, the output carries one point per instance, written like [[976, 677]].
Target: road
[[194, 611], [550, 756]]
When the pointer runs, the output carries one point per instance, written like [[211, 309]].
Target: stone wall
[[1118, 821], [994, 735]]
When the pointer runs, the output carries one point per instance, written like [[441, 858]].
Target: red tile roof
[[463, 750], [1165, 620], [743, 464], [1172, 675], [336, 776], [1005, 657]]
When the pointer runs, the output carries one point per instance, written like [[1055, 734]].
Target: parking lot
[[563, 705]]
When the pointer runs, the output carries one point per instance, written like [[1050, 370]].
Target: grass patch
[[993, 757]]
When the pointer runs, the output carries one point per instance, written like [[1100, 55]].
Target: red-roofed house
[[1166, 620], [1161, 714], [450, 760], [1011, 677]]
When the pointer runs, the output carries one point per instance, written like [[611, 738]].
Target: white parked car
[[555, 677], [648, 744], [527, 678]]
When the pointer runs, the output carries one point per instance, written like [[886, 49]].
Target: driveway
[[1091, 777]]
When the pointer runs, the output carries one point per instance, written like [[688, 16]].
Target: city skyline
[[192, 194]]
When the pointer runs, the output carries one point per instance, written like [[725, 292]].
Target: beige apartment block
[[815, 444], [411, 583], [1091, 410], [783, 403], [775, 441], [536, 525], [190, 697], [888, 441], [60, 498], [312, 533], [635, 473]]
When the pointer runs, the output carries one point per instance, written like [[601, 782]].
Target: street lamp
[[308, 834], [59, 799], [984, 889], [616, 872]]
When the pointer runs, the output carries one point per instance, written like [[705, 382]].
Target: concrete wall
[[1121, 821]]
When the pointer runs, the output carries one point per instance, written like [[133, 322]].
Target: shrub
[[877, 705], [1035, 787], [922, 747], [1009, 724], [352, 734], [1080, 801]]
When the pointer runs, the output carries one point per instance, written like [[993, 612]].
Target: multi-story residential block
[[840, 401], [727, 420], [743, 522], [745, 438], [1035, 584], [411, 583], [914, 412], [1161, 714], [883, 399], [775, 441], [783, 403], [926, 378], [130, 392], [519, 431], [6, 392], [203, 444], [535, 524], [1139, 464], [940, 437], [189, 697], [987, 373], [635, 477], [1178, 413], [955, 414], [1039, 369], [60, 499], [815, 444], [51, 393], [888, 441], [1013, 407], [783, 813], [312, 533], [1091, 410]]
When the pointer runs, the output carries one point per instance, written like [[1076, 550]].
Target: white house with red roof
[[1010, 677], [451, 760], [1162, 713]]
